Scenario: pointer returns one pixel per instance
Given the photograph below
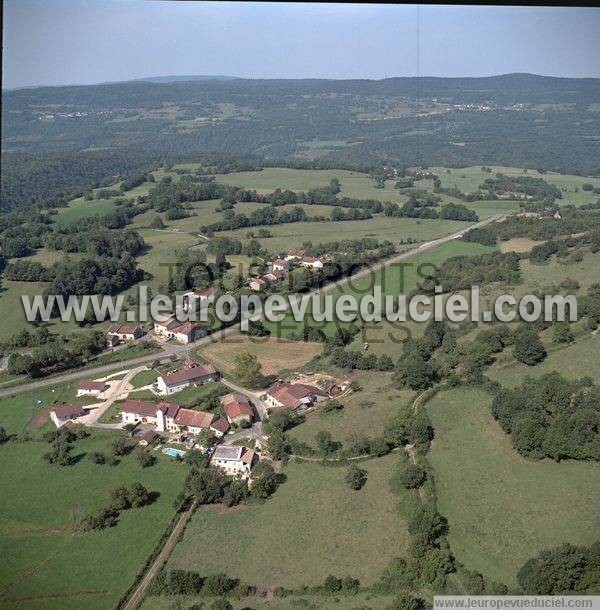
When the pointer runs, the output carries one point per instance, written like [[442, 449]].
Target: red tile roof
[[220, 425], [69, 411], [123, 329], [206, 292], [236, 408], [292, 394], [197, 419], [202, 370], [143, 408]]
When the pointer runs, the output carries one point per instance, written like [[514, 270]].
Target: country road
[[182, 349], [138, 594]]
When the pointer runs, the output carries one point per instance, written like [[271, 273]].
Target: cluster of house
[[169, 417], [169, 327], [282, 264], [194, 374]]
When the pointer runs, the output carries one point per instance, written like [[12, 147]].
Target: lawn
[[161, 257], [314, 525], [273, 354], [144, 378], [501, 508], [79, 208], [366, 411]]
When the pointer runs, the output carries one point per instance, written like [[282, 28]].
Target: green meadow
[[48, 562], [501, 508]]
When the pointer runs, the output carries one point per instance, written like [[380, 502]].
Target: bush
[[412, 476], [144, 458], [355, 477], [105, 517], [97, 457]]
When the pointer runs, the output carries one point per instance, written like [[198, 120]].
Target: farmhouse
[[272, 277], [91, 388], [234, 460], [124, 332], [163, 325], [61, 415], [281, 264], [197, 375], [168, 417], [292, 255], [294, 395], [310, 262], [171, 328], [237, 409], [257, 284]]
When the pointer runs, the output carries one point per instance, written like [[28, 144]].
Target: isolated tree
[[355, 477], [247, 369], [3, 435], [264, 480], [528, 348]]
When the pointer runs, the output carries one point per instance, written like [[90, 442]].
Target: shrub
[[355, 477], [412, 476]]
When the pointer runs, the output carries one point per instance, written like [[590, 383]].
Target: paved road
[[182, 349]]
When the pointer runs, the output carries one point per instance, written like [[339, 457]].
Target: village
[[230, 436]]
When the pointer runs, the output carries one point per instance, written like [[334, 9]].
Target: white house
[[168, 417], [234, 460], [294, 395], [163, 325], [172, 328], [91, 388], [197, 375], [61, 415], [310, 262]]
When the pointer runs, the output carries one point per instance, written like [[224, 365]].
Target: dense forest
[[515, 120]]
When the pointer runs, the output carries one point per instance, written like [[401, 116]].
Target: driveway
[[112, 394]]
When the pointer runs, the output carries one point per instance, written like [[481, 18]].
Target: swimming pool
[[171, 451]]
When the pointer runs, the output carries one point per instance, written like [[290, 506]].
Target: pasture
[[501, 508], [314, 525]]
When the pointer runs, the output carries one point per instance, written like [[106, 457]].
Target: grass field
[[576, 360], [468, 179], [46, 562], [366, 411], [273, 354], [314, 525], [501, 508], [293, 235], [79, 208], [354, 184]]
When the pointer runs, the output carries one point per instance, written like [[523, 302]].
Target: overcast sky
[[49, 42]]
